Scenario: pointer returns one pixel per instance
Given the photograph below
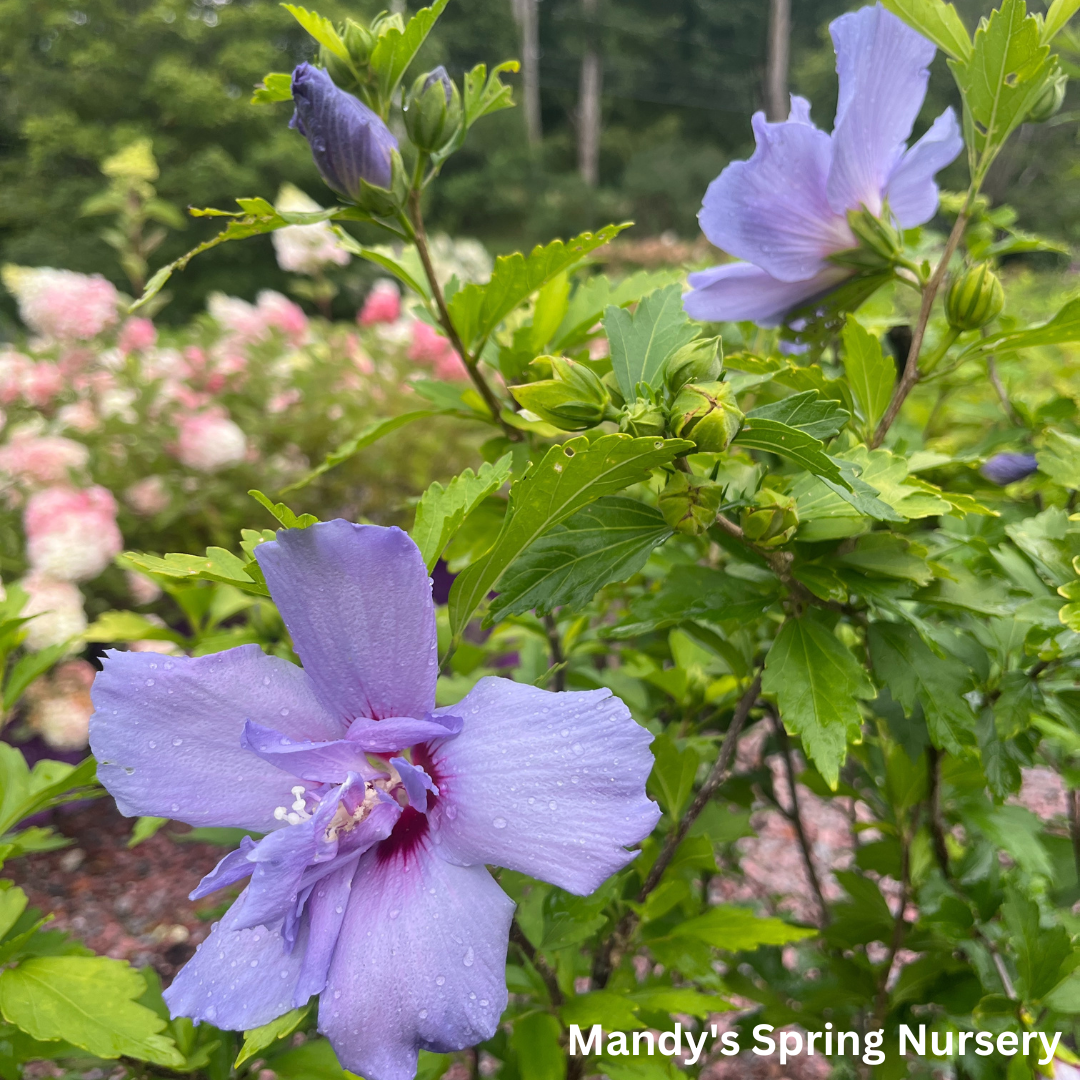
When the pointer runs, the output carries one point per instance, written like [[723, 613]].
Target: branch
[[937, 825], [612, 950], [930, 291], [796, 816], [517, 936], [471, 362], [558, 661], [899, 926]]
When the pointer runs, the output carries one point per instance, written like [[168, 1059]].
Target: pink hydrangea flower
[[60, 705], [41, 382], [283, 400], [243, 321], [13, 368], [79, 415], [209, 441], [430, 347], [42, 459], [57, 607], [137, 334], [282, 314], [305, 249], [63, 304], [383, 304], [71, 534], [148, 496]]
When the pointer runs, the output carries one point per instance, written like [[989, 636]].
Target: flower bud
[[689, 503], [700, 361], [612, 385], [1050, 100], [432, 111], [350, 144], [974, 298], [643, 417], [708, 414], [573, 400], [879, 243], [359, 41], [771, 520], [1004, 469]]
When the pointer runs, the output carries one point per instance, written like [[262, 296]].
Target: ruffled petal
[[239, 979], [166, 734], [325, 910], [417, 783], [883, 68], [357, 601], [773, 210], [549, 784], [911, 191], [738, 291], [325, 762], [420, 963], [398, 732]]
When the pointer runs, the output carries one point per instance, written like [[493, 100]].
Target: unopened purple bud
[[439, 75], [348, 141], [1005, 469]]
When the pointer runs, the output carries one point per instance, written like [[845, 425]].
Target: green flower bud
[[385, 202], [879, 243], [359, 41], [689, 503], [386, 21], [974, 298], [432, 111], [772, 520], [1050, 100], [612, 385], [643, 417], [708, 414], [700, 361], [338, 70], [573, 400]]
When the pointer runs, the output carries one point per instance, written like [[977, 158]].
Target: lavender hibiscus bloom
[[784, 211], [380, 809], [1003, 469], [348, 140]]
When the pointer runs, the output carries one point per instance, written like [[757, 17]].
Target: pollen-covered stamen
[[351, 812]]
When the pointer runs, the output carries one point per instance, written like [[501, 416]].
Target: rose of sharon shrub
[[71, 534]]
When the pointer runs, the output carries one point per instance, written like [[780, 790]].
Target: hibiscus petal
[[912, 193], [357, 602], [773, 210], [417, 782], [883, 66], [324, 762], [420, 963], [238, 979], [326, 910], [398, 732], [549, 784], [738, 291], [233, 868], [166, 734]]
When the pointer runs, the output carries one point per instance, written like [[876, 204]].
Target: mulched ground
[[127, 903]]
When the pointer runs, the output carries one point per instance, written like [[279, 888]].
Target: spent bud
[[771, 520], [689, 503], [708, 414]]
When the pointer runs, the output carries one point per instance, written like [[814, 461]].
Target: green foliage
[[258, 1039], [938, 21]]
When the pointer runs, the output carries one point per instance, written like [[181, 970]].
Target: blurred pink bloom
[[41, 382], [383, 304], [42, 459], [137, 334], [63, 304], [282, 401], [356, 352], [209, 441], [306, 249], [60, 705], [282, 314], [71, 534], [242, 320], [143, 589], [1043, 793], [148, 496], [79, 415], [58, 610], [13, 368], [430, 347]]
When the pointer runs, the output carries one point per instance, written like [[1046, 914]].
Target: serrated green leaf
[[277, 86], [288, 519], [793, 444], [734, 929], [567, 478], [406, 267], [395, 50], [871, 375], [1005, 73], [1059, 458], [258, 1039], [88, 1001], [643, 340], [1062, 328], [27, 668], [937, 21], [144, 828], [216, 565], [128, 626], [673, 772], [369, 434], [320, 28], [887, 555], [613, 1012], [535, 1039], [1057, 15], [12, 905], [817, 681], [679, 999], [476, 310], [818, 417], [608, 541], [595, 295], [442, 510], [915, 674]]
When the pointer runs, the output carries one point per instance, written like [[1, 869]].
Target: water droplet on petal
[[440, 979], [565, 732], [177, 742], [423, 1014], [483, 1001], [395, 912], [578, 748], [467, 959], [149, 682], [499, 823]]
